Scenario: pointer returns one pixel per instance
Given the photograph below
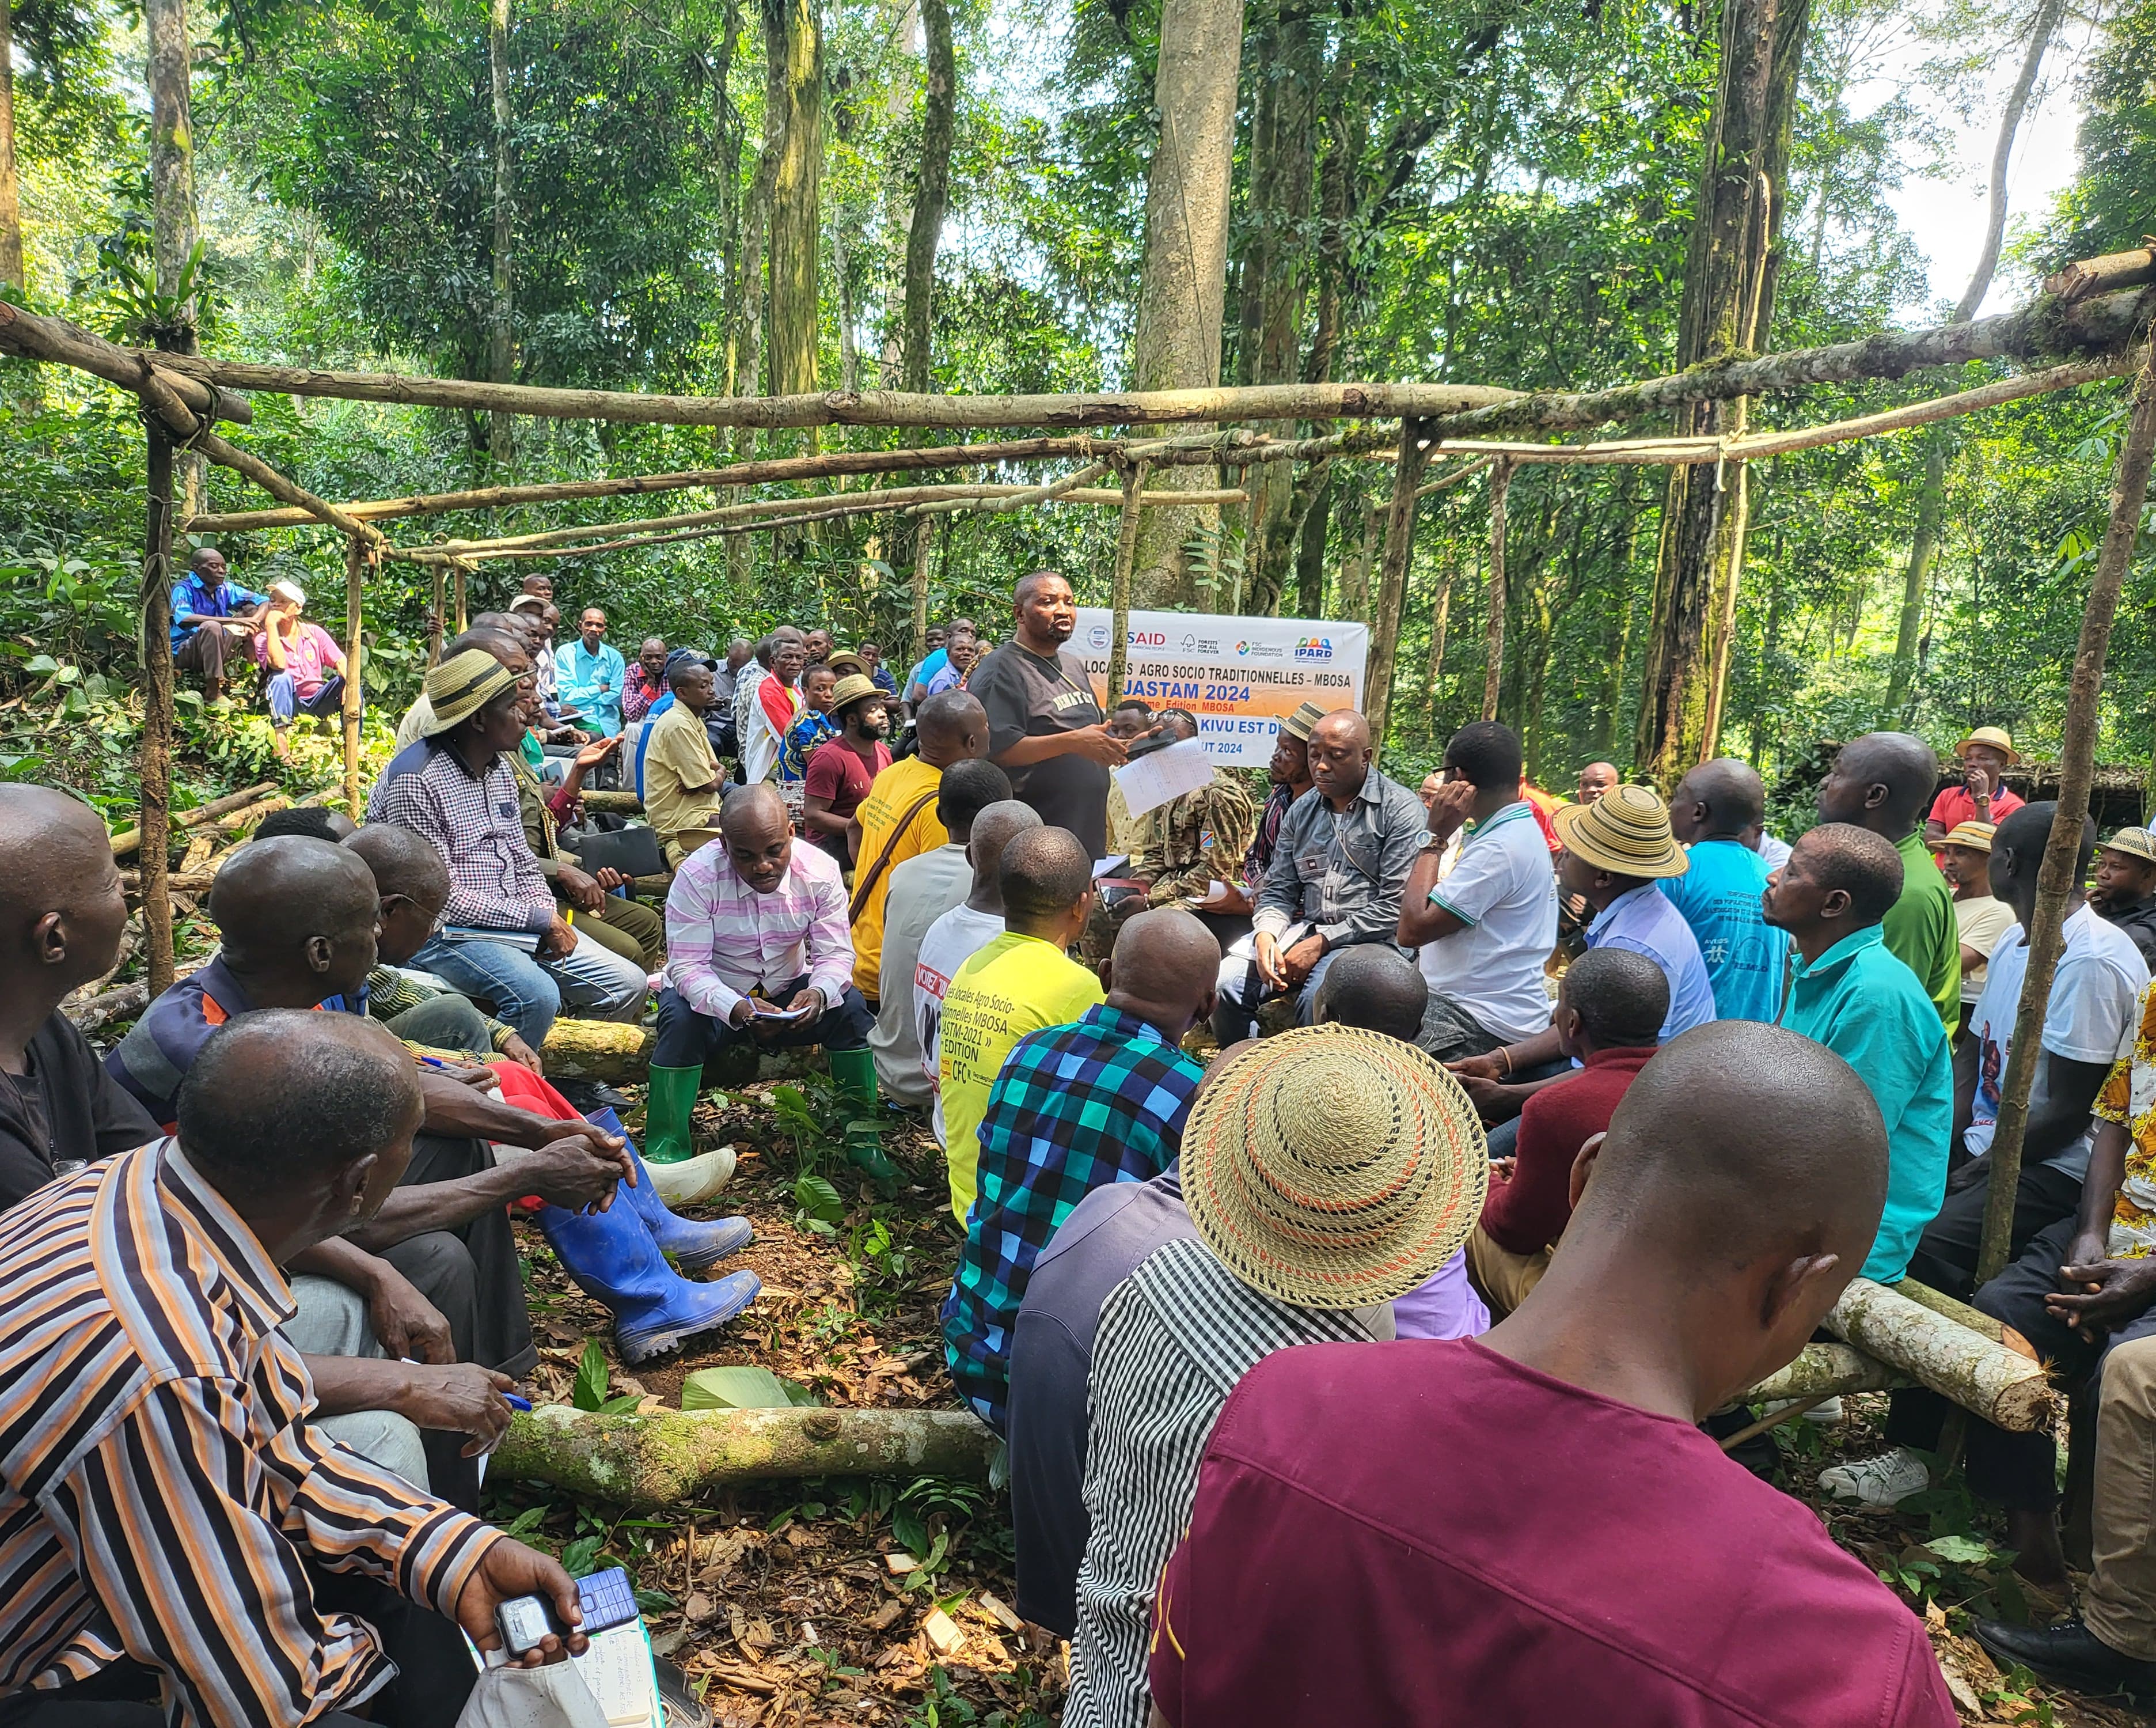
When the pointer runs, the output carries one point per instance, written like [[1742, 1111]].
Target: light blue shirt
[[591, 684], [1642, 920], [1868, 1008], [1745, 955]]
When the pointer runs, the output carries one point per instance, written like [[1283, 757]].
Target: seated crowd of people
[[1483, 1131]]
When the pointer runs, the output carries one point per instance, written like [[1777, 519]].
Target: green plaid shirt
[[1074, 1108], [390, 992]]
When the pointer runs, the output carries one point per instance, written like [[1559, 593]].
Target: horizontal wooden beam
[[29, 336]]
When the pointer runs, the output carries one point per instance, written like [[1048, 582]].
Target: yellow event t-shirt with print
[[1015, 985], [889, 796]]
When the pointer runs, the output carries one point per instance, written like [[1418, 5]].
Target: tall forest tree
[[172, 216], [501, 334], [793, 36], [12, 273], [931, 197], [1730, 270], [1183, 283]]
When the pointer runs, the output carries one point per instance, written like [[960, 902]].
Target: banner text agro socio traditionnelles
[[1239, 677]]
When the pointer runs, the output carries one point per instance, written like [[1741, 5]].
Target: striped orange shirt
[[161, 1490]]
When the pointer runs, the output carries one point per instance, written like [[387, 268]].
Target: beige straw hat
[[846, 661], [462, 685], [1333, 1168], [1997, 736], [2134, 842], [851, 688], [1626, 831], [1304, 720], [1977, 835]]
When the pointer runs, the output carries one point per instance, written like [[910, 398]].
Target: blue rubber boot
[[695, 1247], [612, 1256]]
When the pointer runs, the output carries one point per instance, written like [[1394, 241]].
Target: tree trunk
[[1183, 283], [501, 327], [1441, 613], [794, 30], [358, 561], [1985, 1378], [11, 207], [1309, 553], [1728, 304], [677, 1458], [155, 753], [1931, 500], [172, 204], [745, 341], [1493, 635], [1825, 1370], [1393, 580], [939, 113]]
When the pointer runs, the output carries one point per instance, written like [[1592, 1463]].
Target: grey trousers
[[333, 1321]]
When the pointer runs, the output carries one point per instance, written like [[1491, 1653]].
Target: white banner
[[1240, 677]]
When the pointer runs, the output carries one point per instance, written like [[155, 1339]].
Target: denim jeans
[[284, 701], [528, 991]]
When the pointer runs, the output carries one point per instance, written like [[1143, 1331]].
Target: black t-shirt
[[66, 1107], [1030, 696]]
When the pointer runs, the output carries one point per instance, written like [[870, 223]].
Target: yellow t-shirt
[[891, 795], [1015, 985], [677, 757]]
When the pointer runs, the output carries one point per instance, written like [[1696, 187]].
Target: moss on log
[[617, 1055], [676, 1458], [2005, 1388], [1826, 1371]]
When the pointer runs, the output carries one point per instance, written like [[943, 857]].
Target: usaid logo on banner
[[1097, 637], [1313, 648]]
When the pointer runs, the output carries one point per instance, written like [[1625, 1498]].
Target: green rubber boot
[[854, 1071], [666, 1112]]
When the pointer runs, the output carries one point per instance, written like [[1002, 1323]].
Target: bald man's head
[[993, 828], [1881, 781], [1340, 754], [61, 908], [1720, 799], [1166, 969], [1046, 876], [950, 726], [412, 883], [968, 788], [1372, 986], [757, 832], [298, 913]]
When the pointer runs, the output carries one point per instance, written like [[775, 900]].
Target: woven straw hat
[[1300, 724], [2134, 842], [1997, 736], [1626, 831], [1332, 1168], [1977, 835], [462, 685], [850, 689], [845, 661]]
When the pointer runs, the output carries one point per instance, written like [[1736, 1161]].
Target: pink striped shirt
[[725, 941]]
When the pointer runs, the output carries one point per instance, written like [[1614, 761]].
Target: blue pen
[[517, 1403]]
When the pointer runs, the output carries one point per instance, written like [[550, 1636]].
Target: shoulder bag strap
[[865, 883]]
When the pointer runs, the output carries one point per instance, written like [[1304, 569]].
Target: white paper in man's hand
[[1151, 781]]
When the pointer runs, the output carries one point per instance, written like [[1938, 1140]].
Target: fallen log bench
[[676, 1458], [614, 1054]]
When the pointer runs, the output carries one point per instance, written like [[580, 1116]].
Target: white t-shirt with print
[[953, 940], [2100, 978], [1504, 889]]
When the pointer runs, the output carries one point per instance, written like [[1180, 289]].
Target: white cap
[[286, 589]]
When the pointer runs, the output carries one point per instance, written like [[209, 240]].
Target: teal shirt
[[1867, 1007], [1745, 955], [1922, 931]]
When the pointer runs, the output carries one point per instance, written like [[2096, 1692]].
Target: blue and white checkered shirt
[[473, 821]]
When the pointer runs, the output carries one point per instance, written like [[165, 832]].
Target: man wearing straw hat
[[1530, 1527], [1981, 918], [2125, 891], [1327, 1171], [504, 939], [1985, 755], [842, 770]]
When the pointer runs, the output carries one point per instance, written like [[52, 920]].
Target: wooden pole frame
[[155, 750], [1493, 633], [1119, 593], [1392, 579], [2060, 874], [358, 558]]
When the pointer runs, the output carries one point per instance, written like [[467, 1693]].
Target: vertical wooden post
[[156, 823], [434, 621], [924, 547], [1393, 577], [1119, 596], [2058, 877], [462, 625], [356, 559], [1440, 616], [1493, 639]]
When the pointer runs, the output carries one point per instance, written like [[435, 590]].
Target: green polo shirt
[[1921, 931], [1864, 1005]]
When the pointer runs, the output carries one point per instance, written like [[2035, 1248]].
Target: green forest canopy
[[1488, 192]]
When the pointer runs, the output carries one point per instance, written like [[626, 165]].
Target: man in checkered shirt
[[502, 940], [1077, 1107]]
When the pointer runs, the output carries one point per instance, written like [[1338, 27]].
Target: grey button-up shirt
[[1344, 873]]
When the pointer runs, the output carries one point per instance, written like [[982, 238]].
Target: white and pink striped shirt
[[725, 941]]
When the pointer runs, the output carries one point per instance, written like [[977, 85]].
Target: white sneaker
[[1886, 1480], [1826, 1412]]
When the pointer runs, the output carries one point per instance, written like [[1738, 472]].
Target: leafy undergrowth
[[1944, 1553], [780, 1603]]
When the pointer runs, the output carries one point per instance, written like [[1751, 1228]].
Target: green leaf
[[589, 1391], [582, 1555], [1961, 1551], [737, 1388], [818, 1199], [40, 666]]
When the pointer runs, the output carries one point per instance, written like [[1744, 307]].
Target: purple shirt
[[725, 941], [1431, 1533], [1446, 1306]]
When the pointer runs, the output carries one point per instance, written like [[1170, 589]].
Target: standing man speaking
[[1045, 730]]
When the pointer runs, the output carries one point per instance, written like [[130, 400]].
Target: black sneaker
[[2067, 1654]]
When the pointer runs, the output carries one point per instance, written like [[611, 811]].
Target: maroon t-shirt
[[1426, 1532], [1529, 1213], [837, 772]]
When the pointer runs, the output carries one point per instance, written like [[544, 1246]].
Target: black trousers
[[471, 1275], [688, 1039], [435, 1675], [2014, 1470]]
